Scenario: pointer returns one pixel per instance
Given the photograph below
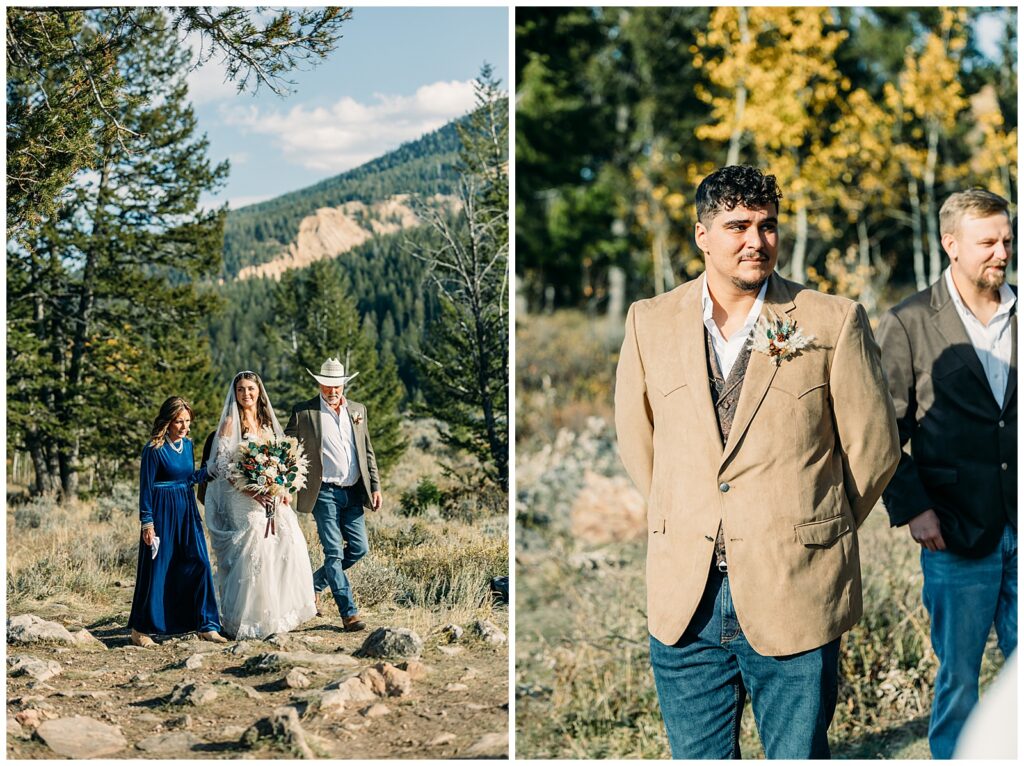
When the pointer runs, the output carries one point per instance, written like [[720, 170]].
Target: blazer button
[[1002, 424], [1004, 466], [725, 487]]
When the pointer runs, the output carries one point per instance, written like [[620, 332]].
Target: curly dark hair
[[735, 185], [262, 404]]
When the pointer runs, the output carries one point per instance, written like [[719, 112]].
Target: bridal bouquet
[[267, 469]]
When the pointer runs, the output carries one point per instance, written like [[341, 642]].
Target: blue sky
[[397, 73]]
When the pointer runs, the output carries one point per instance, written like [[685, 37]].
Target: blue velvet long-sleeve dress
[[174, 593]]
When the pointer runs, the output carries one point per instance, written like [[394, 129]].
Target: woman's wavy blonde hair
[[169, 410]]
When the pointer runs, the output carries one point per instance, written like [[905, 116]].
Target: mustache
[[754, 257]]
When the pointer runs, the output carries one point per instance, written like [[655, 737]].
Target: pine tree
[[465, 362], [108, 324], [315, 318]]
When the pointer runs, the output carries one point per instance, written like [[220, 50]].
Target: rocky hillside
[[316, 692], [261, 232], [333, 231]]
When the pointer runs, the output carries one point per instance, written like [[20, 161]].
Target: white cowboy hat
[[332, 373]]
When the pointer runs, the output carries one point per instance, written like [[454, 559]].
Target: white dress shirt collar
[[727, 350]]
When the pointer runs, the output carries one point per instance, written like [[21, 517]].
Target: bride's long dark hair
[[262, 404]]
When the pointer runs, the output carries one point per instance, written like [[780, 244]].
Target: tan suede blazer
[[812, 445]]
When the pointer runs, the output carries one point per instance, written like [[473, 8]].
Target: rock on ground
[[85, 639], [397, 683], [29, 629], [453, 632], [281, 726], [14, 728], [81, 737], [490, 745], [489, 632], [192, 694], [376, 710], [193, 662], [285, 660], [168, 744], [417, 670], [391, 642], [351, 690], [296, 679], [26, 665]]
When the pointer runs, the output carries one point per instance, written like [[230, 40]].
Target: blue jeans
[[342, 530], [703, 679], [965, 598]]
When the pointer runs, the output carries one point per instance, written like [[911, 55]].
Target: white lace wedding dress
[[265, 584]]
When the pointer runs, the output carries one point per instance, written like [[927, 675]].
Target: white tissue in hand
[[156, 545]]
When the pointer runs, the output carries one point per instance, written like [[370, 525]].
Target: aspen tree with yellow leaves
[[776, 83], [868, 117], [928, 98]]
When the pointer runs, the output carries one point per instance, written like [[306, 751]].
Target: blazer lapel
[[761, 368], [1011, 378], [948, 322], [691, 356], [318, 427]]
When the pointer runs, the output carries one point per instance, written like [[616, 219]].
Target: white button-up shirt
[[993, 343], [338, 446], [727, 350]]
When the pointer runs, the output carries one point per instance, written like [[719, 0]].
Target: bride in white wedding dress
[[265, 581]]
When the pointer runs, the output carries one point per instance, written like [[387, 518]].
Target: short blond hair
[[977, 203]]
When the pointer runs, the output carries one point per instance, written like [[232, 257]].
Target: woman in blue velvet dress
[[174, 590]]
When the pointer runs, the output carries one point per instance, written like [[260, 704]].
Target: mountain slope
[[262, 232]]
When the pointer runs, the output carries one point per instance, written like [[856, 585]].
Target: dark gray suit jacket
[[305, 425], [962, 458]]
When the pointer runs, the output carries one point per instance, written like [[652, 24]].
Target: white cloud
[[237, 202], [208, 82], [349, 132]]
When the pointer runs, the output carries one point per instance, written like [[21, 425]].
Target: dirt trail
[[459, 708]]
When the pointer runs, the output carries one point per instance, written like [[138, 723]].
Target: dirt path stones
[[81, 737]]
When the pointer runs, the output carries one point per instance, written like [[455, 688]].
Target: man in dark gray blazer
[[950, 356], [341, 483]]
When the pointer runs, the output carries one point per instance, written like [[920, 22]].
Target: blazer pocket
[[666, 387], [937, 476], [815, 387], [822, 534]]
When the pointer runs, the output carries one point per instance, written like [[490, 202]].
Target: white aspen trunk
[[920, 279], [930, 208], [798, 265], [733, 157]]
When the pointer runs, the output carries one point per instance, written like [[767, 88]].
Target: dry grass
[[584, 687]]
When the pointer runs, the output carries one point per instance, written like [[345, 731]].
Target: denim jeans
[[965, 598], [703, 679], [342, 530]]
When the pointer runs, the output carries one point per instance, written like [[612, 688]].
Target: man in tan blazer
[[760, 450], [341, 483]]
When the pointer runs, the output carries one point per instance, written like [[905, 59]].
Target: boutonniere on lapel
[[779, 339], [357, 418]]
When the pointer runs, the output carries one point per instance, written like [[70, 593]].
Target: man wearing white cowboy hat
[[341, 483]]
